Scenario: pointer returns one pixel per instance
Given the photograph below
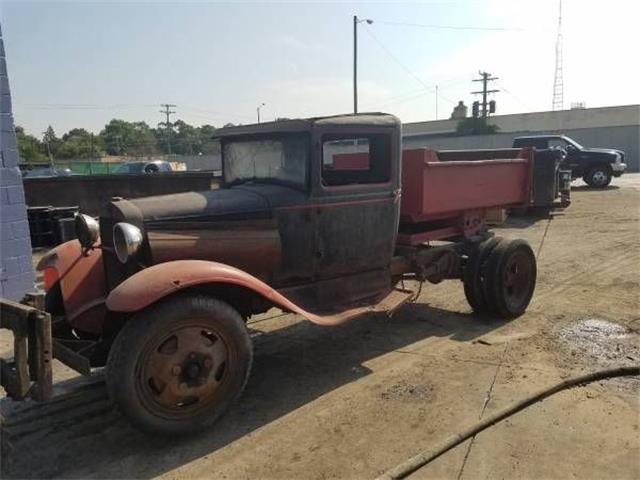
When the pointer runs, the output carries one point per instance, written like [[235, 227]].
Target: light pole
[[356, 21], [258, 110]]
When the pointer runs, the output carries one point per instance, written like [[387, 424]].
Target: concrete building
[[16, 269], [607, 127]]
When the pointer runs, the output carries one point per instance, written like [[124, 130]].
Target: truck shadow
[[293, 365]]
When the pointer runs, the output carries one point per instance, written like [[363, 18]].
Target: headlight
[[87, 230], [127, 239]]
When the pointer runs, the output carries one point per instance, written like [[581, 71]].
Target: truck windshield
[[571, 141], [270, 160]]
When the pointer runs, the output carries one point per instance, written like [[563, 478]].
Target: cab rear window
[[355, 159]]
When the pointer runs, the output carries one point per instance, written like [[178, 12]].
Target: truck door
[[572, 161], [357, 202]]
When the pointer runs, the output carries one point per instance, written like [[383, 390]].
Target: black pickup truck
[[596, 166]]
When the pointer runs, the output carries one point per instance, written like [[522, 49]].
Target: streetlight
[[356, 21], [258, 110]]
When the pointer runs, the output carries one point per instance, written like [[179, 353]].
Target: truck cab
[[596, 166], [288, 212]]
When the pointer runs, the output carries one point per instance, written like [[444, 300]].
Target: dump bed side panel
[[433, 189]]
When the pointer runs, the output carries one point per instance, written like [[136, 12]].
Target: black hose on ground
[[409, 466]]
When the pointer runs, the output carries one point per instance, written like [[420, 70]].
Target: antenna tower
[[558, 95]]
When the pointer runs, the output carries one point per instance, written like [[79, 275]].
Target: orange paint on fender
[[158, 281]]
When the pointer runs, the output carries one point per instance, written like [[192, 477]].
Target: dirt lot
[[353, 401]]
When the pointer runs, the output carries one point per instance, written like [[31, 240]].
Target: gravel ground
[[354, 400]]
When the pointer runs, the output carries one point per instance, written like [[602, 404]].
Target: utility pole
[[486, 78], [356, 21], [355, 64], [167, 111], [258, 110], [436, 102]]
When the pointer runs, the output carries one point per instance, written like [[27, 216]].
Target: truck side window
[[348, 160], [557, 143]]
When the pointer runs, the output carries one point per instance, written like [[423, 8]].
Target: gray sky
[[79, 64]]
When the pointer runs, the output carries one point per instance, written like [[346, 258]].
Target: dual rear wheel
[[500, 277]]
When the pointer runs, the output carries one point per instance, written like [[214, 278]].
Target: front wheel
[[598, 177], [175, 367]]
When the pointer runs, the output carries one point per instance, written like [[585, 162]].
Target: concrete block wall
[[16, 268]]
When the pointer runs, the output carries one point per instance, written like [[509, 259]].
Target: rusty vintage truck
[[158, 289]]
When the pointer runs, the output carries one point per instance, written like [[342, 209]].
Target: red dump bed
[[443, 195]]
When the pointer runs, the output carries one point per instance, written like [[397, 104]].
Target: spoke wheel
[[176, 366], [510, 278], [181, 372]]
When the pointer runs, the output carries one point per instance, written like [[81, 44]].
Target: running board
[[388, 304]]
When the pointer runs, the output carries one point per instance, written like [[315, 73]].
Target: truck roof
[[306, 124]]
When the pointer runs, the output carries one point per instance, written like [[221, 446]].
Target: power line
[[413, 94], [451, 27], [216, 112], [395, 59], [430, 88], [525, 104], [78, 106], [96, 106]]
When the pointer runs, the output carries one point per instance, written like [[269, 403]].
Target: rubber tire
[[588, 178], [494, 273], [122, 360], [473, 276]]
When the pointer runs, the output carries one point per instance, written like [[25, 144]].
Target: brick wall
[[16, 269]]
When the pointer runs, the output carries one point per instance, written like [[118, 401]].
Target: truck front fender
[[158, 281], [81, 277]]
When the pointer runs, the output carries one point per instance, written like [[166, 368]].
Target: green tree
[[30, 149], [208, 145], [475, 126], [184, 139], [128, 138], [79, 143], [51, 141]]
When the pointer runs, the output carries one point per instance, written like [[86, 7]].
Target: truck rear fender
[[162, 280]]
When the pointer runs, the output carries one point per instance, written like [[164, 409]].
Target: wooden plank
[[43, 354]]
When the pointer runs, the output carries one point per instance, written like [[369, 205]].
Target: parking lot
[[353, 401]]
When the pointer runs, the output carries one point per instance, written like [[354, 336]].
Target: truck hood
[[608, 151], [230, 204], [254, 201]]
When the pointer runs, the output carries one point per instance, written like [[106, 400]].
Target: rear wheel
[[177, 366], [474, 274], [598, 177], [510, 278]]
